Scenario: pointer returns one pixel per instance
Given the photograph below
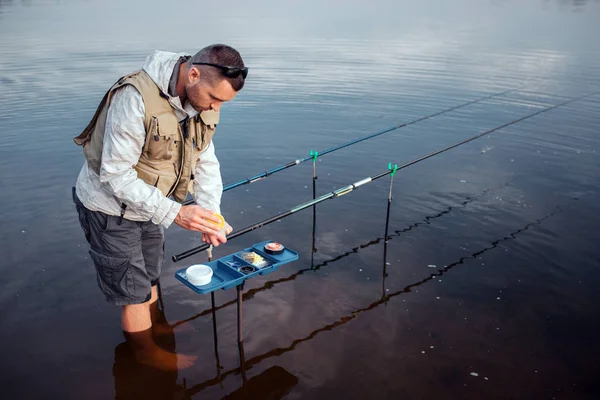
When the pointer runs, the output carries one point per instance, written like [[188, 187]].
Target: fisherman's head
[[214, 75]]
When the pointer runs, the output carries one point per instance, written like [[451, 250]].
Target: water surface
[[489, 286]]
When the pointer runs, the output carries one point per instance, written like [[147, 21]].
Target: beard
[[192, 93]]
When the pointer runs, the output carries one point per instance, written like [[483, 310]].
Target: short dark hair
[[223, 55]]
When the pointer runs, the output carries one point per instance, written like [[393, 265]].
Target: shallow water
[[490, 287]]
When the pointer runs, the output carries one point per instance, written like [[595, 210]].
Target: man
[[149, 142]]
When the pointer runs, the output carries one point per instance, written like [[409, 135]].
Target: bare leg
[[136, 317], [137, 328], [160, 325], [159, 322]]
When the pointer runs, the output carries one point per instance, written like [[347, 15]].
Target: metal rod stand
[[240, 334], [215, 337], [239, 311], [386, 237], [314, 226]]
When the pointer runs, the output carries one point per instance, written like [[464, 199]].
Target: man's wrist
[[171, 214]]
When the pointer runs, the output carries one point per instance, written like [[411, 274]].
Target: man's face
[[203, 96]]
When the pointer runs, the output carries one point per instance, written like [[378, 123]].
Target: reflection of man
[[134, 380], [149, 141]]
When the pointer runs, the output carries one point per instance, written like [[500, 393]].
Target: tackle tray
[[231, 270]]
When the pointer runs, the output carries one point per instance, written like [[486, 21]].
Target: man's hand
[[216, 240], [196, 218]]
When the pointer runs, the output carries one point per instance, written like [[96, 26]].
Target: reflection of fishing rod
[[270, 284], [352, 315], [265, 174], [347, 189]]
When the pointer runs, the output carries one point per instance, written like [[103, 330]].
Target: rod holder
[[394, 169]]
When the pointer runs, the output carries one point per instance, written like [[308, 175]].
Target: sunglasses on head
[[228, 71]]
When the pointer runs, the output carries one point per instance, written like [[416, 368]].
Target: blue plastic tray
[[226, 270]]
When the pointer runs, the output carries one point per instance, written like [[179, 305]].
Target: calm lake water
[[489, 288]]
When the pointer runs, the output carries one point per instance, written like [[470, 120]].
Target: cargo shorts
[[128, 255]]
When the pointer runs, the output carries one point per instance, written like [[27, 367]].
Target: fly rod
[[347, 189], [272, 171]]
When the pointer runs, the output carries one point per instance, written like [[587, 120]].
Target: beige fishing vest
[[168, 159]]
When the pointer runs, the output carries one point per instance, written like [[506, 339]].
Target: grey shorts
[[128, 256]]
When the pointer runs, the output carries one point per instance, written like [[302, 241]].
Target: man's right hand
[[196, 218]]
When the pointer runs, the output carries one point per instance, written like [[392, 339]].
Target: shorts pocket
[[82, 215], [114, 275]]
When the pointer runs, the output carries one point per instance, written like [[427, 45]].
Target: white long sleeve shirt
[[124, 138]]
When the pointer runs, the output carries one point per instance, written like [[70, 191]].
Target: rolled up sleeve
[[124, 139]]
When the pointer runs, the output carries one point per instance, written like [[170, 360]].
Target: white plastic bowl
[[199, 274]]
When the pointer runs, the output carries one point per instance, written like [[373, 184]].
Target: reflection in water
[[136, 380], [6, 3], [247, 364], [274, 383], [577, 4], [215, 336], [270, 284], [150, 383]]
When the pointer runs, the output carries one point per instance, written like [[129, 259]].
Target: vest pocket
[[205, 128], [199, 137], [160, 141], [161, 182], [148, 177], [165, 183]]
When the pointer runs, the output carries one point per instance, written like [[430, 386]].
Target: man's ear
[[193, 74]]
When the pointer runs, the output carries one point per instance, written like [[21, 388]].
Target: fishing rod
[[398, 232], [272, 171], [347, 189]]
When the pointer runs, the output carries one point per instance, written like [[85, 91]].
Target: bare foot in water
[[164, 360]]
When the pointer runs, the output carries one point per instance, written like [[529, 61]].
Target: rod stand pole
[[314, 155], [239, 312]]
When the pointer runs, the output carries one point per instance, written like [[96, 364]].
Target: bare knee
[[136, 317]]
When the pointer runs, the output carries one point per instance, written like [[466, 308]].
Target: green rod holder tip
[[394, 169]]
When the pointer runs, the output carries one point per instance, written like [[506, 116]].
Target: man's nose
[[215, 106]]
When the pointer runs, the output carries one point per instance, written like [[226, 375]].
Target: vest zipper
[[180, 173]]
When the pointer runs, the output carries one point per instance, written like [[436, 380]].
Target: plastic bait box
[[231, 270]]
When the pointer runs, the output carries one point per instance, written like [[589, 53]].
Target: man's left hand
[[216, 240]]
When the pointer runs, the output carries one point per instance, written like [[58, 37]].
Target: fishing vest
[[170, 153]]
